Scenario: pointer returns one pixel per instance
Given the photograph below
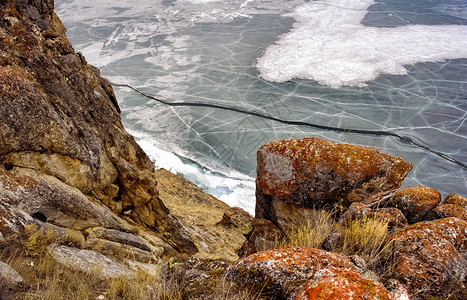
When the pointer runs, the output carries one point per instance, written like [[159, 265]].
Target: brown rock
[[312, 173], [282, 271], [341, 283], [61, 119], [265, 236], [430, 255], [415, 202], [392, 215], [356, 210], [456, 199], [446, 211]]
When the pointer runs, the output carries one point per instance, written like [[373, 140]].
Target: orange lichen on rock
[[340, 284], [456, 199], [415, 202], [428, 255], [281, 271], [312, 172]]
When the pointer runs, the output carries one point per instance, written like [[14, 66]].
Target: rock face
[[62, 144], [312, 172], [431, 255]]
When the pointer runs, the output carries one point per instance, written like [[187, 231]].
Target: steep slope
[[61, 136]]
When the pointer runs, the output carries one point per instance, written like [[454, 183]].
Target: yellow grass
[[312, 233]]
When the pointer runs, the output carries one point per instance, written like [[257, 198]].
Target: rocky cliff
[[64, 154]]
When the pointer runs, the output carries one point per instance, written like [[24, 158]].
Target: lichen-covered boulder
[[415, 202], [281, 271], [312, 172], [446, 211], [430, 255], [456, 199], [392, 215], [341, 283]]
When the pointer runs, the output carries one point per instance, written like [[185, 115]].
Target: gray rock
[[9, 278], [88, 261]]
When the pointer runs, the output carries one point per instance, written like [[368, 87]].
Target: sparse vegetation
[[318, 226], [47, 280], [366, 237]]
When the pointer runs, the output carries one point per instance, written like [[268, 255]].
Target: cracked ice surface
[[206, 51]]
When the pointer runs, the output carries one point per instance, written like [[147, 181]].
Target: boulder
[[446, 211], [456, 199], [431, 255], [89, 261], [415, 202], [314, 173], [392, 215], [265, 236], [60, 119], [356, 210], [280, 272], [341, 283], [10, 280]]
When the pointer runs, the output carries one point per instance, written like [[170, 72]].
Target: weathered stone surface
[[49, 199], [217, 229], [264, 236], [415, 202], [282, 271], [89, 261], [341, 283], [456, 199], [61, 119], [312, 172], [392, 215], [356, 210], [9, 278], [430, 255], [446, 211]]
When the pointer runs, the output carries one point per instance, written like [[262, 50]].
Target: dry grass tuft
[[312, 233], [366, 237], [37, 239]]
